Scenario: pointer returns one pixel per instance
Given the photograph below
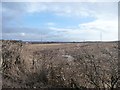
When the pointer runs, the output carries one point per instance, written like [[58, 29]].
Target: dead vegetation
[[77, 65]]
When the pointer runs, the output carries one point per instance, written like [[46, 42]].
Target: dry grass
[[72, 65]]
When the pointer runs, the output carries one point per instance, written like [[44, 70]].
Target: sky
[[60, 21]]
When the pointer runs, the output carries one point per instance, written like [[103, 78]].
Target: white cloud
[[60, 29], [92, 30], [101, 25], [22, 34], [61, 9], [51, 24], [35, 7], [83, 9]]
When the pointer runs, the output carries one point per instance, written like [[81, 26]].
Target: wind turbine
[[101, 36]]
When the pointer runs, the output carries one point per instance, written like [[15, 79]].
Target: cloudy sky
[[60, 21]]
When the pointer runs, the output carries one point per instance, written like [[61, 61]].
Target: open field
[[68, 65]]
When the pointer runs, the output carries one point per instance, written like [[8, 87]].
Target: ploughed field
[[68, 65]]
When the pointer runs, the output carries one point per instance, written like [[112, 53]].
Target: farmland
[[67, 65]]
